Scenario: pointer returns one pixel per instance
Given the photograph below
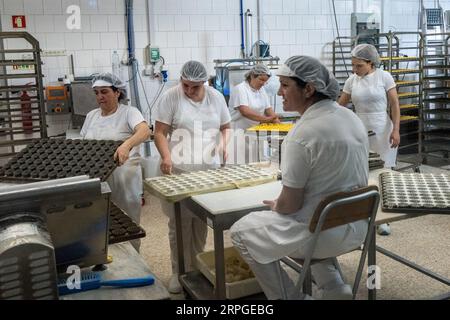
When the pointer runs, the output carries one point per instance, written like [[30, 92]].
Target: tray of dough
[[415, 192], [282, 128], [177, 187]]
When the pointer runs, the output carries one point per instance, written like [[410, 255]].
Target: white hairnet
[[366, 52], [107, 79], [257, 70], [194, 71], [311, 70]]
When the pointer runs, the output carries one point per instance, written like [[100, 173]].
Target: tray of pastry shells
[[415, 192], [177, 187]]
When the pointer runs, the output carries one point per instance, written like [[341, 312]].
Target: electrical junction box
[[153, 53], [57, 99], [365, 26]]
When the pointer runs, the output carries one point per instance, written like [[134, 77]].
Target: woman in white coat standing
[[325, 152], [250, 105], [192, 122], [116, 121], [371, 91]]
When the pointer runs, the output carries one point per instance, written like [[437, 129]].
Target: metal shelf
[[20, 127]]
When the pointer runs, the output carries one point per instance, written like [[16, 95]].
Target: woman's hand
[[166, 165], [394, 139], [271, 203], [122, 153]]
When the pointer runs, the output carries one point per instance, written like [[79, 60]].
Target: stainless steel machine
[[46, 227]]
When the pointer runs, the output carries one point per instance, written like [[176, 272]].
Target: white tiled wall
[[191, 29], [102, 31]]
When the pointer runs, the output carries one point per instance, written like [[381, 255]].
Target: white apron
[[381, 124], [126, 180], [126, 185], [269, 236]]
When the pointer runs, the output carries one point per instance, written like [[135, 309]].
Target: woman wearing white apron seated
[[325, 152], [370, 90]]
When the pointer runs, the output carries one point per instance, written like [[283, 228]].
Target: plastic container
[[234, 290]]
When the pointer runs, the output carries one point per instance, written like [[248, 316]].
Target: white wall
[[191, 29]]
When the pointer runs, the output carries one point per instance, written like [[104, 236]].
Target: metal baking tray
[[47, 159], [415, 192], [121, 227]]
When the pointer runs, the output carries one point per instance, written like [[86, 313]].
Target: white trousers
[[264, 237], [194, 233]]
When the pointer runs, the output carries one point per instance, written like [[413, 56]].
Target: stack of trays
[[415, 192], [47, 159], [375, 161], [177, 187], [121, 227]]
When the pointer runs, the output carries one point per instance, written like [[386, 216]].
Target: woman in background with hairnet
[[325, 152], [192, 121], [116, 121], [371, 90], [250, 105]]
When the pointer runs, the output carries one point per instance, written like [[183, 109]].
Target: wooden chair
[[335, 210]]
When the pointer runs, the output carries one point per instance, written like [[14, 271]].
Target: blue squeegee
[[93, 280]]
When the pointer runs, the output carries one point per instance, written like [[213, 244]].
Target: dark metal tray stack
[[121, 227], [375, 161], [47, 159], [415, 192]]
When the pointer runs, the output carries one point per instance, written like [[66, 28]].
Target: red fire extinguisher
[[27, 122]]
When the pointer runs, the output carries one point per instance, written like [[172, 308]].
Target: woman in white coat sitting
[[250, 105], [371, 91], [116, 121], [325, 152]]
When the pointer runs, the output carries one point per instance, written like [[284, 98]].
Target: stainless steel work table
[[221, 209], [127, 263]]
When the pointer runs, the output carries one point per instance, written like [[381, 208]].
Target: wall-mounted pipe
[[248, 33], [241, 12]]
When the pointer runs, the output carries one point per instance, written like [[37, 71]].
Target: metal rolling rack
[[23, 118], [436, 97], [342, 61], [409, 86]]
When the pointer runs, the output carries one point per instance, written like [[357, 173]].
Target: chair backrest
[[345, 207]]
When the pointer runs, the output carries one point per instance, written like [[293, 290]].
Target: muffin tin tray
[[47, 159], [415, 192], [121, 227], [177, 187]]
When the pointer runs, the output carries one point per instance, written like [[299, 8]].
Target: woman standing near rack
[[371, 89]]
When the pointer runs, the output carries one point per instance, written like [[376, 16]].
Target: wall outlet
[[54, 53]]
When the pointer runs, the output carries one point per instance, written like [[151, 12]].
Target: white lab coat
[[321, 159], [126, 180], [243, 94], [192, 143], [369, 97]]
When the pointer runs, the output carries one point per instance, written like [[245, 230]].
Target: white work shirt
[[117, 126], [325, 152], [195, 126], [369, 96], [244, 95], [369, 92]]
